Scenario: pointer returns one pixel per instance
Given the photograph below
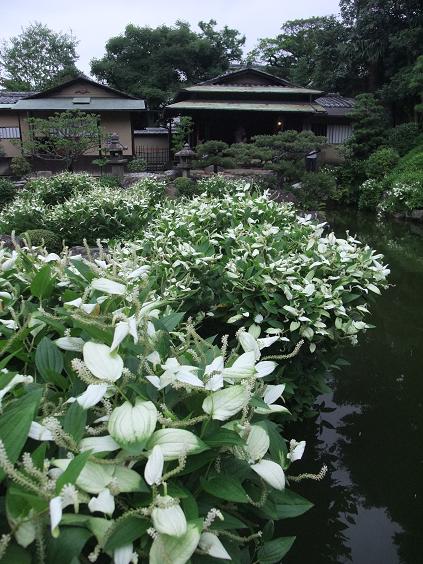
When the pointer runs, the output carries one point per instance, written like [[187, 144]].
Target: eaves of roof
[[94, 105], [253, 89], [240, 105]]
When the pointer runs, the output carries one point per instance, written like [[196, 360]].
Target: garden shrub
[[20, 166], [186, 186], [242, 255], [109, 181], [404, 194], [316, 188], [370, 194], [412, 161], [212, 153], [247, 155], [381, 162], [7, 191], [288, 150], [101, 213], [137, 165], [124, 433], [42, 237], [60, 187], [91, 211], [404, 137]]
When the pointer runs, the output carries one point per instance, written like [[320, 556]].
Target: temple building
[[237, 105]]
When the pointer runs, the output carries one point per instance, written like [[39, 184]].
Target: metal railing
[[156, 157]]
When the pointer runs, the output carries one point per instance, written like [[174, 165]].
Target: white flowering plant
[[243, 259], [77, 207], [125, 436]]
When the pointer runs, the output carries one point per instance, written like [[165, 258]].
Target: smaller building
[[237, 105], [118, 113]]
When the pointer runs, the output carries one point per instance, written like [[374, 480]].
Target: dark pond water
[[369, 510]]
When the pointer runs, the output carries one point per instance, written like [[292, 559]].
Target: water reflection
[[370, 510]]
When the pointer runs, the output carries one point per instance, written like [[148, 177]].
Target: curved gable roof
[[80, 78], [251, 76]]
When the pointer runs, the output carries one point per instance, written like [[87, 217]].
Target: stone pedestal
[[118, 167]]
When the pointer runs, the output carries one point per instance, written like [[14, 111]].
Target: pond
[[369, 509]]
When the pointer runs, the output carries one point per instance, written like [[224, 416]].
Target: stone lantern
[[115, 149], [311, 161], [185, 156]]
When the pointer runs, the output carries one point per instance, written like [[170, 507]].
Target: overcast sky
[[95, 21]]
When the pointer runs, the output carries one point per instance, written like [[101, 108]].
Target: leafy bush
[[246, 155], [42, 237], [212, 153], [287, 151], [405, 193], [381, 162], [242, 255], [404, 137], [59, 187], [20, 166], [370, 194], [412, 161], [137, 165], [91, 210], [186, 186], [101, 213], [316, 188], [123, 432], [7, 191], [109, 181]]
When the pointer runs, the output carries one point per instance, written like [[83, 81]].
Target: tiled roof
[[152, 131], [335, 101], [12, 97]]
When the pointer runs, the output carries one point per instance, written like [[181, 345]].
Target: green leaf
[[15, 554], [43, 283], [273, 551], [229, 522], [190, 507], [39, 455], [70, 475], [126, 532], [75, 420], [15, 422], [48, 359], [225, 487], [285, 505], [67, 546], [169, 322], [224, 437]]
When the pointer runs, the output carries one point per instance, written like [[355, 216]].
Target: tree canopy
[[154, 63], [373, 46], [37, 58]]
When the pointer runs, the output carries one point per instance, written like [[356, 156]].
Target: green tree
[[370, 123], [155, 63], [386, 36], [64, 136], [310, 52], [37, 58], [182, 133]]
